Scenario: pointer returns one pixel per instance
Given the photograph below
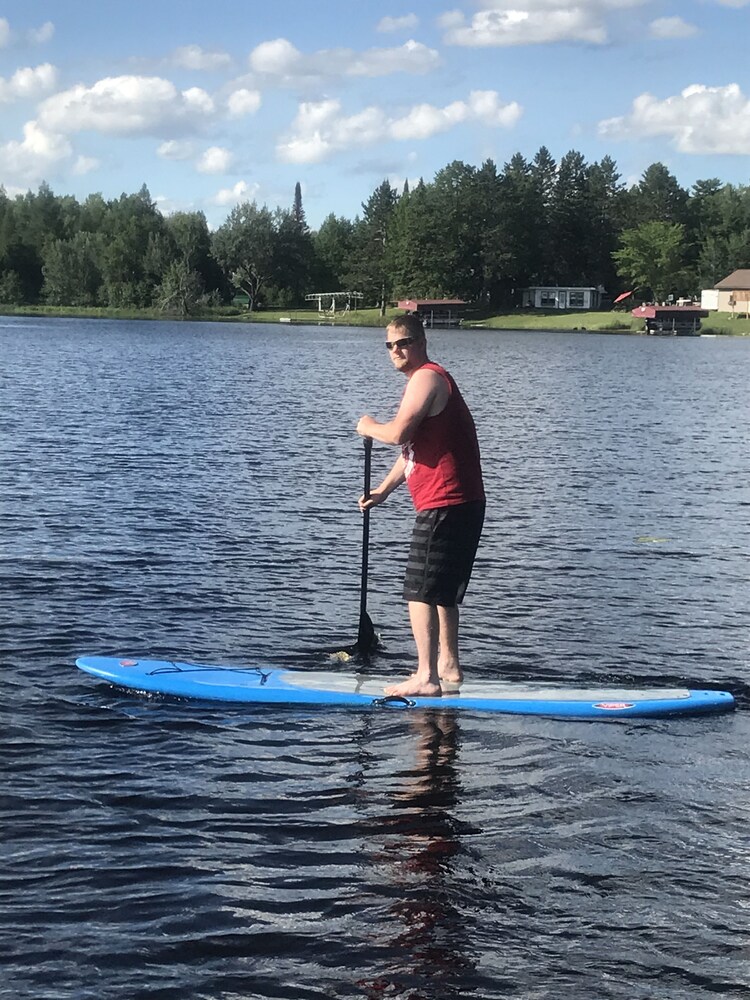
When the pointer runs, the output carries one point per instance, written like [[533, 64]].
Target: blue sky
[[221, 102]]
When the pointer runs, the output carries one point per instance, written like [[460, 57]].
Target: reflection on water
[[425, 931]]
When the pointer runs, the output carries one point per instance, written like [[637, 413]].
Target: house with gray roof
[[731, 293]]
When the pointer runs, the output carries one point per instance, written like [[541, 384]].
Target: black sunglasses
[[400, 344]]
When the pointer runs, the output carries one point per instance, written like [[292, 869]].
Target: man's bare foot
[[450, 687], [413, 687], [452, 677]]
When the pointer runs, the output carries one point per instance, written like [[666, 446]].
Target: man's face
[[407, 352]]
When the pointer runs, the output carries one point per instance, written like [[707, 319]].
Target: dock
[[671, 321]]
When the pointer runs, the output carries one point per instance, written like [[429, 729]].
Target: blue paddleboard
[[259, 685]]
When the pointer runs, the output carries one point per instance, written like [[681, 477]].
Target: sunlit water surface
[[190, 491]]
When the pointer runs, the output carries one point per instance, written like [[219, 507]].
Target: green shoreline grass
[[721, 324]]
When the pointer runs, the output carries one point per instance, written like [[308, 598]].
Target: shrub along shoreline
[[721, 324]]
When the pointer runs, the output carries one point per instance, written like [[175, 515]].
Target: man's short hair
[[410, 323]]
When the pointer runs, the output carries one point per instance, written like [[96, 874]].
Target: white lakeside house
[[555, 297]]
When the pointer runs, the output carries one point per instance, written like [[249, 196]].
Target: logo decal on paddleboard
[[614, 706], [128, 663]]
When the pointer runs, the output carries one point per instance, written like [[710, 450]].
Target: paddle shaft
[[365, 531]]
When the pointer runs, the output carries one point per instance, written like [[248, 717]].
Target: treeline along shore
[[480, 234]]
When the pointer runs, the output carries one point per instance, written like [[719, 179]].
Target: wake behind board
[[295, 687]]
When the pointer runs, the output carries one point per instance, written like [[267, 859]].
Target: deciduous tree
[[333, 247], [72, 275], [652, 258], [244, 247], [180, 290]]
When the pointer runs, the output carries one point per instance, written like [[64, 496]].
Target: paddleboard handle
[[397, 700]]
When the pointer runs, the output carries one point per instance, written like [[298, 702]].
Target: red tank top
[[442, 462]]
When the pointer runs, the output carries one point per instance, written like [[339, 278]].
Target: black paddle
[[366, 638]]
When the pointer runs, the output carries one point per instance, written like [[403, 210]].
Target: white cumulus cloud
[[215, 160], [45, 33], [198, 101], [38, 153], [592, 6], [276, 58], [126, 105], [34, 36], [425, 120], [283, 62], [242, 191], [175, 149], [320, 129], [532, 22], [84, 165], [168, 206], [485, 106], [523, 27], [671, 27], [29, 82], [411, 57], [194, 57], [406, 23], [243, 102], [700, 119]]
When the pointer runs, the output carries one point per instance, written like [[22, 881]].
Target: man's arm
[[426, 394], [392, 481]]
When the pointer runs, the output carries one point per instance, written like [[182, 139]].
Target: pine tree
[[298, 212], [371, 235], [658, 197], [544, 176], [570, 220]]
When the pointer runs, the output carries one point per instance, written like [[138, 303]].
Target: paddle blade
[[367, 643], [367, 640]]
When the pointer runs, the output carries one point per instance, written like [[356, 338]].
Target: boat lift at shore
[[671, 321], [331, 302]]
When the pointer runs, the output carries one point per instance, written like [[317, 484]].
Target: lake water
[[190, 491]]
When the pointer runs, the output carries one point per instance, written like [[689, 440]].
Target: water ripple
[[191, 490]]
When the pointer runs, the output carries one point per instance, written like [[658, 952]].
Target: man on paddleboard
[[440, 464]]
